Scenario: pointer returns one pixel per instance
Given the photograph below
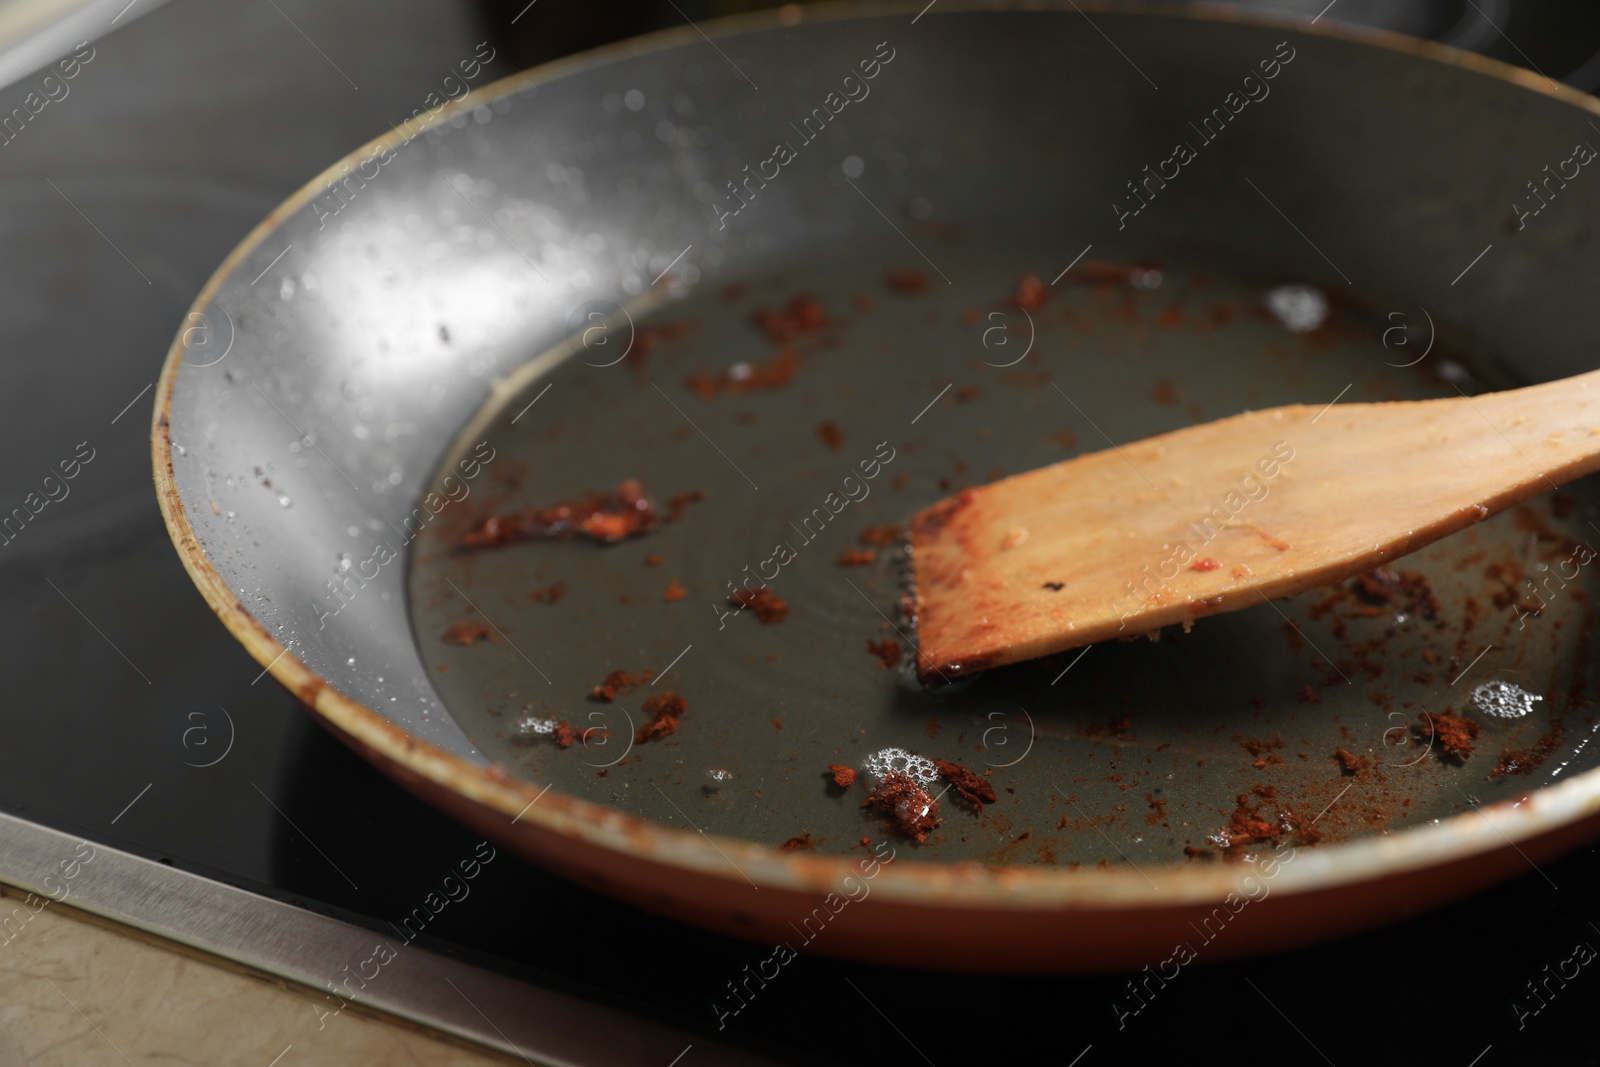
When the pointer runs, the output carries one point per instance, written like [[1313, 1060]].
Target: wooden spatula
[[1227, 515]]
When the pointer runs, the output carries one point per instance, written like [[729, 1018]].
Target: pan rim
[[960, 885]]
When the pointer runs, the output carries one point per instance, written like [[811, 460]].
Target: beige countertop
[[75, 991]]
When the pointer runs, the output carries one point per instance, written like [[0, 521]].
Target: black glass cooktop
[[131, 717]]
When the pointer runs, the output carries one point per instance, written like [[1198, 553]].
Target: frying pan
[[554, 286]]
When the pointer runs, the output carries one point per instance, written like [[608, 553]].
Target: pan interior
[[1132, 752]]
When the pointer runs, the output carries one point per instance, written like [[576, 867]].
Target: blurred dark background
[[1559, 38]]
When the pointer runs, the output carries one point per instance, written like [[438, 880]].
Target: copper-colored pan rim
[[958, 886]]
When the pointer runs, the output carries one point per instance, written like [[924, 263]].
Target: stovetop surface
[[133, 718]]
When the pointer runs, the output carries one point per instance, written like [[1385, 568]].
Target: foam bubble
[[532, 726], [885, 761], [1502, 700], [1300, 308]]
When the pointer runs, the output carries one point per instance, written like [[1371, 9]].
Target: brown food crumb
[[1247, 826], [907, 282], [679, 502], [1206, 564], [1524, 762], [856, 557], [744, 377], [887, 652], [605, 518], [1264, 751], [469, 633], [617, 682], [664, 709], [843, 777], [1065, 438], [1384, 586], [829, 432], [803, 843], [910, 809], [647, 339], [1031, 293], [1165, 393], [1100, 271], [964, 782], [768, 606], [1454, 733], [970, 317], [777, 724], [1195, 853], [652, 560], [882, 536], [1349, 762], [1304, 833], [549, 594], [675, 591], [803, 315], [564, 734]]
